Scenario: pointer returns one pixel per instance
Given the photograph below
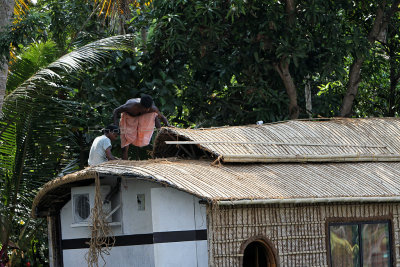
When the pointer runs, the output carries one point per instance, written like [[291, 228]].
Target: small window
[[82, 207], [360, 244]]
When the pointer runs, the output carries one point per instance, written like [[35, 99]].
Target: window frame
[[360, 222]]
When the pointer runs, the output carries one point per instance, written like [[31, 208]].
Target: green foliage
[[201, 47], [29, 61], [328, 98], [34, 142], [206, 63], [73, 22], [30, 28]]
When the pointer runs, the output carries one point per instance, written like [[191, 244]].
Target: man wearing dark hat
[[101, 148]]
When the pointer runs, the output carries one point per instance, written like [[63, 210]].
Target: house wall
[[170, 210], [164, 233], [297, 233]]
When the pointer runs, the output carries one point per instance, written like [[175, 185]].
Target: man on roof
[[138, 118], [101, 147]]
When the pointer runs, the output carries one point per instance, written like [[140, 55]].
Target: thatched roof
[[362, 163], [312, 182], [333, 140]]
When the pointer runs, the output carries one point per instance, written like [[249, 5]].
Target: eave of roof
[[248, 183]]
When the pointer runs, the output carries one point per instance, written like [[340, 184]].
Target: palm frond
[[33, 114], [33, 58], [91, 54], [32, 124]]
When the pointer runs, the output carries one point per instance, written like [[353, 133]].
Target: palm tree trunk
[[3, 81], [6, 12]]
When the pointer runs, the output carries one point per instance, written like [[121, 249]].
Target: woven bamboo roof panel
[[333, 140], [244, 181]]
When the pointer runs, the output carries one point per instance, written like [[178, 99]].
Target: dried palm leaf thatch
[[311, 182], [333, 140]]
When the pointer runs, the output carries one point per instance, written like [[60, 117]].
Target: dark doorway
[[258, 254]]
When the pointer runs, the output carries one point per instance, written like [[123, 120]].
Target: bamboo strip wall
[[298, 233]]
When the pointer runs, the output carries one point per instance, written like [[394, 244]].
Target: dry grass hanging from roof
[[102, 238]]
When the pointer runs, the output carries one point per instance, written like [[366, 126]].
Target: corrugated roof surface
[[369, 139], [266, 181], [249, 181]]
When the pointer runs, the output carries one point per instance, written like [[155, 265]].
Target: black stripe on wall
[[143, 239]]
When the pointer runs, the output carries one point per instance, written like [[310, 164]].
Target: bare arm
[[117, 112], [109, 155], [160, 117], [157, 122]]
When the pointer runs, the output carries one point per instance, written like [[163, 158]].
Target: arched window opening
[[258, 254]]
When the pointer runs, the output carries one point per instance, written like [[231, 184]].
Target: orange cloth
[[137, 130]]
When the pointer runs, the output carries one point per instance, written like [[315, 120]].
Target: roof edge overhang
[[310, 158], [51, 192], [71, 178], [88, 174], [308, 200]]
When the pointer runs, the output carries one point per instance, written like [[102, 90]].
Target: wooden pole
[[268, 143]]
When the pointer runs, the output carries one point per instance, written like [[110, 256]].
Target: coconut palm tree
[[31, 127], [6, 11], [117, 9]]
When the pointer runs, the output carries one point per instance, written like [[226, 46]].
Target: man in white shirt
[[101, 148]]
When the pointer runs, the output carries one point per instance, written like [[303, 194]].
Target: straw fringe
[[69, 178]]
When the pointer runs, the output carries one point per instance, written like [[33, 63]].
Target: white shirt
[[97, 153]]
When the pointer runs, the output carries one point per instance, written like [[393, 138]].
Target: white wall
[[136, 221], [174, 210], [166, 210], [68, 232], [130, 256]]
